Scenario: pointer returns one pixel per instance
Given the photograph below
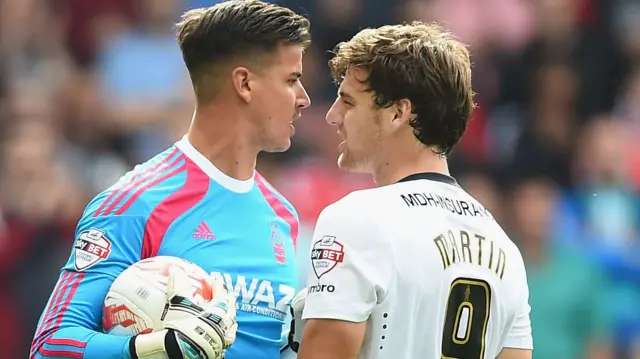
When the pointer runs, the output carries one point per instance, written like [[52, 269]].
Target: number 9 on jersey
[[466, 318]]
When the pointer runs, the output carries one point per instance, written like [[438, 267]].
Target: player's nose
[[333, 117], [303, 100]]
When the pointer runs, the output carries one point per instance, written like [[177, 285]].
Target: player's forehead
[[288, 59], [354, 84]]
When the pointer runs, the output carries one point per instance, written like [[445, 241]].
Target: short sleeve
[[519, 335], [350, 266]]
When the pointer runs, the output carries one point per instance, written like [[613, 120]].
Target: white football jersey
[[426, 266]]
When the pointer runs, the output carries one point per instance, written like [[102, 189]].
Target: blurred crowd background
[[88, 88]]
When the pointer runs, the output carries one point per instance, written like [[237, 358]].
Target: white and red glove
[[192, 330]]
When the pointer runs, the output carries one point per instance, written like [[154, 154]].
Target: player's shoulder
[[274, 197], [367, 201], [358, 208], [345, 205], [349, 222], [140, 190]]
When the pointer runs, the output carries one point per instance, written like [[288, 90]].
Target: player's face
[[279, 98], [358, 123]]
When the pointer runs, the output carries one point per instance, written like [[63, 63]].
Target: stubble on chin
[[350, 162]]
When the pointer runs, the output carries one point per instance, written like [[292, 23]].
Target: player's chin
[[280, 145], [349, 163]]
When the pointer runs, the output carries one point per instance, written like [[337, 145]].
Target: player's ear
[[240, 77], [402, 113]]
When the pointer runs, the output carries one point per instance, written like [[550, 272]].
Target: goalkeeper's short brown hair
[[420, 62], [236, 29]]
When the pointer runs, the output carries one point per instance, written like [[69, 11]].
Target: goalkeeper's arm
[[71, 323], [203, 330], [70, 326]]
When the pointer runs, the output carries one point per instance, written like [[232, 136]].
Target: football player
[[200, 200], [416, 267]]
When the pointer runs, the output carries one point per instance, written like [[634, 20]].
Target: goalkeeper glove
[[192, 330], [297, 324]]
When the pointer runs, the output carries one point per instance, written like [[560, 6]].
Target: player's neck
[[223, 143], [396, 166]]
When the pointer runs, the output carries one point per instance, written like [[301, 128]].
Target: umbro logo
[[203, 232]]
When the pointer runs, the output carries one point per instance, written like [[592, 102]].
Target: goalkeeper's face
[[278, 98]]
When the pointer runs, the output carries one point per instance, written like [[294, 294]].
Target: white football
[[136, 300]]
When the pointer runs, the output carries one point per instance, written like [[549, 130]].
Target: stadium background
[[90, 87]]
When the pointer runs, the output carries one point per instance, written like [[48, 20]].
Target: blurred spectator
[[141, 73], [571, 313], [547, 135], [481, 185], [604, 200], [86, 22]]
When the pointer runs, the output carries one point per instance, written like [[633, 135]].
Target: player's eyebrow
[[345, 95]]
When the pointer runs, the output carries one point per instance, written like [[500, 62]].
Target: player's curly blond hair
[[420, 62]]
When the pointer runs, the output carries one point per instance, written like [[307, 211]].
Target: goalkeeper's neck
[[225, 138]]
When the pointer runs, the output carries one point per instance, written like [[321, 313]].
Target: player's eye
[[347, 103]]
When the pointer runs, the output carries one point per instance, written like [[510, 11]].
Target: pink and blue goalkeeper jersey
[[177, 204]]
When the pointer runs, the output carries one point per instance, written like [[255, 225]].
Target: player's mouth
[[343, 137], [297, 115]]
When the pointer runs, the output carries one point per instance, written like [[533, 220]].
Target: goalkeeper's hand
[[297, 324], [193, 330]]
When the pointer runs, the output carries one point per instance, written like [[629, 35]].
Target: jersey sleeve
[[350, 266], [519, 335], [71, 324]]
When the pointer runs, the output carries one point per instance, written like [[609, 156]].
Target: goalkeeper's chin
[[278, 147]]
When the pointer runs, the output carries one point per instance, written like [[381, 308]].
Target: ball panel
[[136, 299], [123, 317]]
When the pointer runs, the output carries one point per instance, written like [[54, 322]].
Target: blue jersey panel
[[267, 188], [140, 190], [241, 237], [108, 239]]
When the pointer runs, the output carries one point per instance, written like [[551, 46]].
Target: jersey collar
[[230, 183], [431, 176]]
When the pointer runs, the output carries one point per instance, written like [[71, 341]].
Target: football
[[136, 300]]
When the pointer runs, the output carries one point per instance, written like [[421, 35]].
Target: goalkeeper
[[200, 200]]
